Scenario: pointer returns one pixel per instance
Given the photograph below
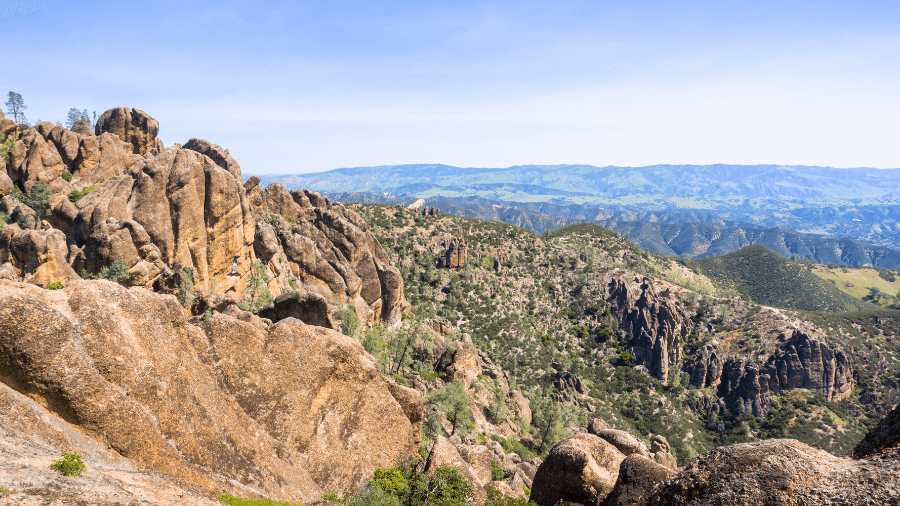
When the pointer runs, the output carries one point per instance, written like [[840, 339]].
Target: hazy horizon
[[304, 87]]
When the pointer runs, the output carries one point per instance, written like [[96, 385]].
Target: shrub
[[38, 198], [67, 176], [69, 465], [76, 195], [237, 501], [349, 321], [496, 470], [116, 271], [55, 286], [495, 498], [4, 219]]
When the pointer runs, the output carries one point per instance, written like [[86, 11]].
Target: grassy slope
[[770, 279]]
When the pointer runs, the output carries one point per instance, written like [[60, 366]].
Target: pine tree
[[15, 107]]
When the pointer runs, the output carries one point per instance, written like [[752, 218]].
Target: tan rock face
[[289, 410], [582, 469], [130, 125], [185, 207], [624, 442]]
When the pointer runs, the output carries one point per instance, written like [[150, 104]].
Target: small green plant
[[4, 490], [55, 286], [257, 292], [76, 195], [495, 498], [67, 176], [116, 271], [38, 198], [496, 470], [69, 465], [186, 287], [237, 501], [332, 496], [4, 219], [350, 322]]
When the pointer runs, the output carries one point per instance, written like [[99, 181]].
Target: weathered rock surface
[[884, 438], [581, 469], [310, 308], [624, 442], [780, 472], [456, 256], [655, 325], [31, 438], [287, 409], [131, 125], [800, 362], [637, 477], [165, 210]]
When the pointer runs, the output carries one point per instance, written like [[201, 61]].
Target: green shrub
[[55, 286], [69, 465], [237, 501], [38, 198], [116, 271], [495, 498], [350, 322], [67, 176], [496, 470], [257, 292], [76, 195], [4, 219]]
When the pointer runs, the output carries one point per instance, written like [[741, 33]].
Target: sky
[[294, 87]]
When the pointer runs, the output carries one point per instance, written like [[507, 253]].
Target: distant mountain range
[[842, 216]]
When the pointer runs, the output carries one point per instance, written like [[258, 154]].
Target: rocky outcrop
[[883, 439], [780, 472], [661, 452], [582, 469], [637, 477], [653, 325], [456, 255], [800, 362], [288, 409], [166, 210], [804, 362], [133, 126], [310, 308]]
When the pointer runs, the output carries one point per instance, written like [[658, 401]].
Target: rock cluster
[[800, 362], [654, 325], [456, 255], [223, 402], [184, 209]]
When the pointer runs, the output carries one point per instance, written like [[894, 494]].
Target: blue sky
[[295, 87]]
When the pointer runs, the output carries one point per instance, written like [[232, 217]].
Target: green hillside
[[770, 279]]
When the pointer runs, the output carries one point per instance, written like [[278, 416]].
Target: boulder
[[624, 442], [779, 472], [596, 425], [637, 477], [289, 410], [131, 125], [582, 469]]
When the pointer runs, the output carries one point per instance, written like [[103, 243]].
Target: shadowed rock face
[[164, 210], [288, 409], [637, 477], [655, 326], [780, 472], [883, 439], [800, 362]]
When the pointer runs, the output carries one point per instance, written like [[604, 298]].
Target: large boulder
[[131, 125], [216, 153], [287, 409], [780, 472], [582, 469], [624, 442], [637, 477]]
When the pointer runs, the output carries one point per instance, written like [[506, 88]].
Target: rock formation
[[800, 362], [456, 255], [637, 477], [287, 409], [185, 207], [654, 325]]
